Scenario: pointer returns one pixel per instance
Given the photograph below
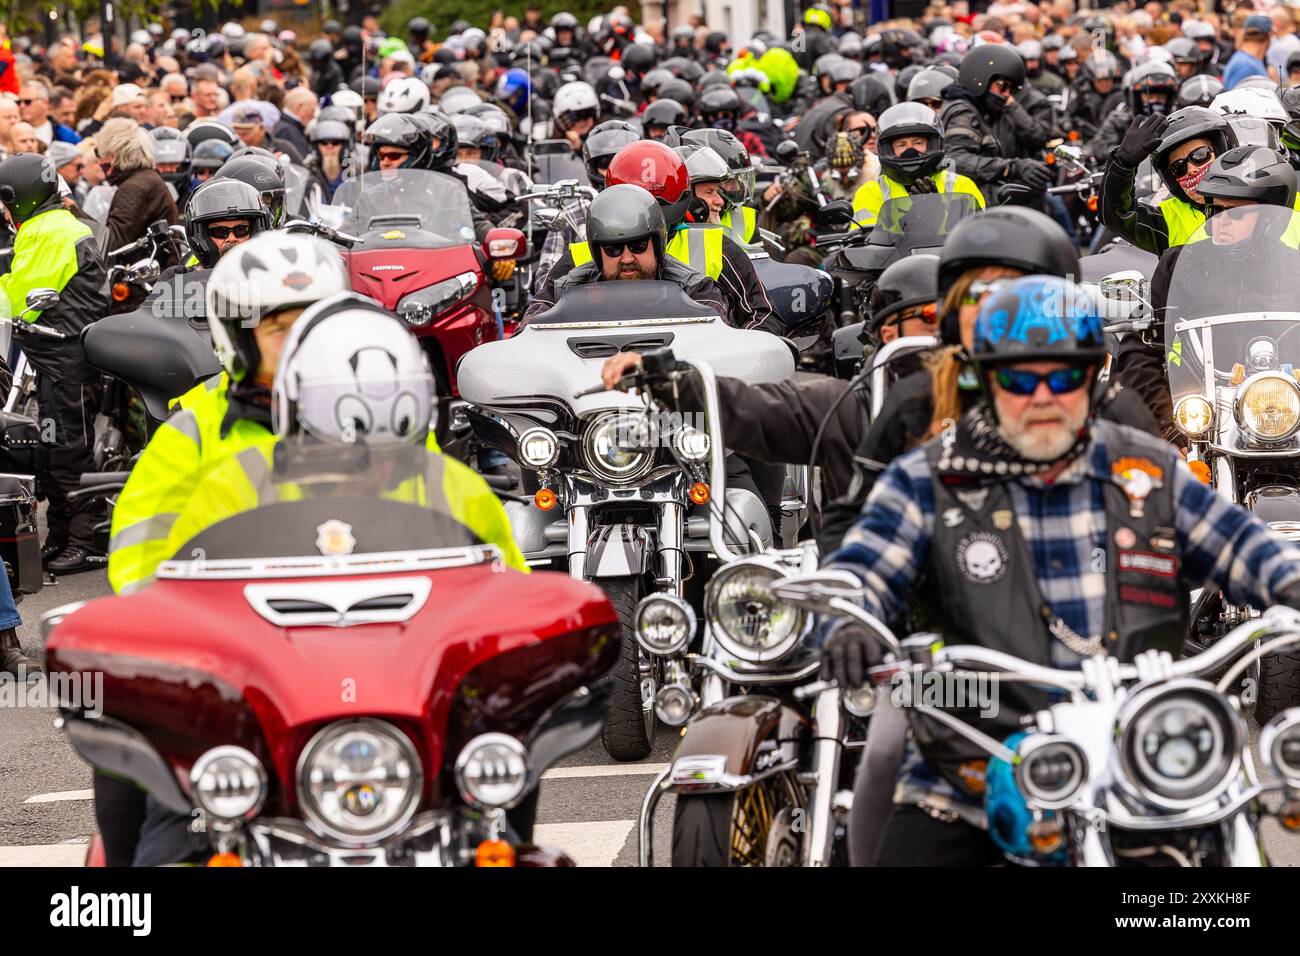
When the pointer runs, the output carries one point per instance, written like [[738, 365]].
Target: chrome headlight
[[603, 447], [746, 618], [1194, 416], [359, 781], [539, 448], [1051, 771], [228, 783], [1179, 743], [422, 307], [1279, 742], [1268, 406], [492, 771], [691, 443], [663, 624]]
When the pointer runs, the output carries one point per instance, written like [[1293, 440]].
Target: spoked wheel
[[629, 730], [761, 825]]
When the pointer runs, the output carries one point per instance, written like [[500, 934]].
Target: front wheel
[[759, 825], [630, 724], [1279, 684]]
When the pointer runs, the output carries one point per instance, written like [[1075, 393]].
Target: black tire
[[628, 733], [702, 829], [1279, 684]]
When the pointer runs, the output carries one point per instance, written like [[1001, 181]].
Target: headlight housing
[[1051, 772], [359, 781], [663, 624], [420, 308], [1194, 416], [602, 452], [1179, 743], [1279, 742], [691, 443], [492, 771], [539, 448], [228, 783], [1268, 407], [746, 618]]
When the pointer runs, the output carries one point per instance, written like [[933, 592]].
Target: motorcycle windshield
[[626, 302], [555, 161], [920, 223], [301, 501], [1233, 306], [296, 182], [390, 200]]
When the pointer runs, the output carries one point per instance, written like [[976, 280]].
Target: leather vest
[[981, 585]]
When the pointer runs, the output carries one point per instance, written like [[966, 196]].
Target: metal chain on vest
[[1084, 646]]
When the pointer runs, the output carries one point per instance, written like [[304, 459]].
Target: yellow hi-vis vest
[[699, 247], [741, 223], [871, 195]]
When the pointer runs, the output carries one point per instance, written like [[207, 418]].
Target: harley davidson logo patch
[[1123, 467], [1144, 562], [334, 537], [982, 558], [297, 281]]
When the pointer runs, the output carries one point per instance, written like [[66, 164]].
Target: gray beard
[[1039, 446]]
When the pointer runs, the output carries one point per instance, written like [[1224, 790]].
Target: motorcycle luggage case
[[20, 545]]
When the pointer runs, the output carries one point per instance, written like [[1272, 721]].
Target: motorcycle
[[1142, 763], [1231, 359], [417, 256], [342, 677], [623, 496]]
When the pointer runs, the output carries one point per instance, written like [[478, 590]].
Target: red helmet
[[656, 168]]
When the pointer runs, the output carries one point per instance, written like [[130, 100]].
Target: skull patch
[[982, 558]]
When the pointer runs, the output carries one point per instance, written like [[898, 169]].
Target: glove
[[921, 186], [1032, 173], [1141, 140], [847, 653]]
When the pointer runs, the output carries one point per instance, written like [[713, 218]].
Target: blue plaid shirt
[[1064, 526]]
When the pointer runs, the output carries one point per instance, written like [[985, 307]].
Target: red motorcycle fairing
[[389, 272], [191, 665]]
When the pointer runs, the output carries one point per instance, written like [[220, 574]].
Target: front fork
[[828, 719], [669, 537]]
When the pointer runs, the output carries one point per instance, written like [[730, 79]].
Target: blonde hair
[[944, 364], [127, 142]]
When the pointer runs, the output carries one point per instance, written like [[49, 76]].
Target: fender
[[1279, 506], [730, 744], [618, 551]]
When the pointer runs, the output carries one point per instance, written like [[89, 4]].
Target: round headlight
[[1194, 416], [691, 443], [1268, 406], [674, 704], [228, 783], [538, 448], [663, 624], [359, 781], [603, 442], [1279, 742], [747, 620], [1051, 771], [415, 314], [492, 771], [859, 701], [1180, 743]]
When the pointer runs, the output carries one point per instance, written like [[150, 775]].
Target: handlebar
[[35, 329], [322, 230]]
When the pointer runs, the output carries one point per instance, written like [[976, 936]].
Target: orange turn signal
[[1046, 836], [1201, 470], [494, 853], [1073, 136], [1238, 374], [503, 269], [545, 499], [1050, 159], [225, 859], [700, 493], [1289, 815], [120, 291], [1092, 204]]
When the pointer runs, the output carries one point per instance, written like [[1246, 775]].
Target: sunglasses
[[26, 102], [1059, 382], [614, 250], [1197, 157], [390, 156], [241, 231], [178, 99]]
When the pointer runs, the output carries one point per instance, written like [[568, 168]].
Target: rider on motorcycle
[[55, 250], [1028, 455], [911, 150], [738, 218]]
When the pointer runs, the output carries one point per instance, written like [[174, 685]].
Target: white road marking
[[61, 795], [49, 854], [589, 844], [604, 770]]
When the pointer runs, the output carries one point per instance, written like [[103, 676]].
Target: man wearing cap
[[66, 159], [249, 126], [1251, 50]]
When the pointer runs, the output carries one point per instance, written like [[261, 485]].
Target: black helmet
[[1191, 122], [665, 112], [637, 59], [211, 154], [367, 87], [221, 199], [907, 282], [419, 26], [499, 129], [1199, 90], [870, 94], [651, 82], [928, 84], [624, 213], [170, 146], [980, 66], [262, 174], [715, 42], [1290, 99], [903, 81], [720, 106], [403, 131], [1101, 65], [683, 68], [27, 182], [1251, 172], [899, 47], [1014, 236], [443, 141], [677, 89], [331, 26], [739, 186], [1154, 79], [205, 130], [603, 142], [333, 131], [909, 119], [564, 21], [319, 52]]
